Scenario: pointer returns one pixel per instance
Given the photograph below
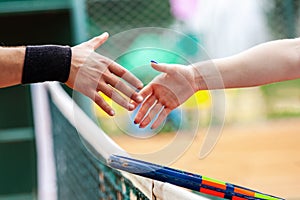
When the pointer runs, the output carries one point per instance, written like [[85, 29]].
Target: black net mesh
[[119, 15], [81, 176]]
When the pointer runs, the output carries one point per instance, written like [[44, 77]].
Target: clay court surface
[[264, 156]]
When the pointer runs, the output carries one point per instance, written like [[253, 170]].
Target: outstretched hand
[[92, 73], [165, 92]]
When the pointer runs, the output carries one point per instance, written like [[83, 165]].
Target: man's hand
[[165, 92], [92, 73]]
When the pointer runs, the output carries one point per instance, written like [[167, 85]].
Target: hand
[[91, 72], [165, 92]]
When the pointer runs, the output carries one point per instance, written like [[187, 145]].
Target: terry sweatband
[[46, 63]]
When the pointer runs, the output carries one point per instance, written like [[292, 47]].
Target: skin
[[165, 92], [11, 64], [90, 73], [263, 64]]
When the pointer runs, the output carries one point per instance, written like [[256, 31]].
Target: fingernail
[[153, 61], [112, 113], [131, 106], [139, 98], [141, 86], [135, 122], [143, 125]]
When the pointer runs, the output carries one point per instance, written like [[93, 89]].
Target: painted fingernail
[[153, 61], [141, 126]]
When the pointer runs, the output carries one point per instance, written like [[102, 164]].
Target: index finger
[[119, 71]]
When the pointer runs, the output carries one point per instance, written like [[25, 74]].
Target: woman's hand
[[165, 92]]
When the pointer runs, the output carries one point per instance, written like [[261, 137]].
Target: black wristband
[[46, 63]]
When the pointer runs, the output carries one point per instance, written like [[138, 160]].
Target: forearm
[[11, 65], [263, 64], [33, 64]]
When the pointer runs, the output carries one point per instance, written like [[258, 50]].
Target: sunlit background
[[259, 144]]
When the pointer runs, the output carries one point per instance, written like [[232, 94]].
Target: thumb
[[98, 40], [165, 68]]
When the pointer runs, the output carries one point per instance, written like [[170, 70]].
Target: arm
[[263, 64], [266, 63], [11, 64], [80, 68]]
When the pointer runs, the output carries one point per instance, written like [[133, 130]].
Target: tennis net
[[67, 170]]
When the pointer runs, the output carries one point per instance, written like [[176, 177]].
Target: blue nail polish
[[153, 61]]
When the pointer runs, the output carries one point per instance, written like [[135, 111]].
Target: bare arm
[[89, 72], [11, 65], [266, 63], [263, 64]]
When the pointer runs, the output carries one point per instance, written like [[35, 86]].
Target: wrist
[[19, 53], [198, 80], [46, 63]]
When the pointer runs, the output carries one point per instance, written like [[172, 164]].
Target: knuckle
[[109, 93]]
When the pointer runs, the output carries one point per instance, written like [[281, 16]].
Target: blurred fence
[[119, 15], [282, 99], [282, 19]]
